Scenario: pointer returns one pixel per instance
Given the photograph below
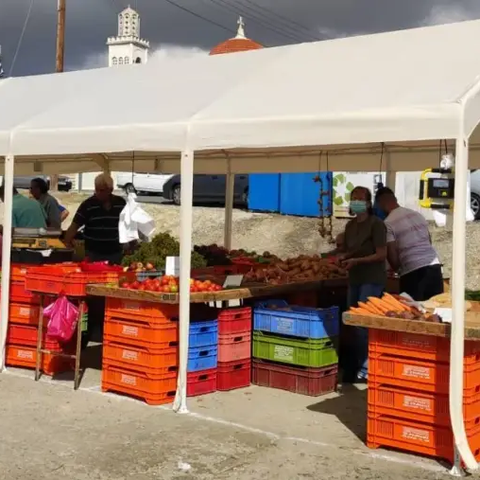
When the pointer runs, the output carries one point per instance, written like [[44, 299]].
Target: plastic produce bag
[[62, 319], [134, 221]]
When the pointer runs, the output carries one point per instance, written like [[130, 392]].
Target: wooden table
[[472, 325], [247, 291]]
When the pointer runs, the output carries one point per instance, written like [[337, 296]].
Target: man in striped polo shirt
[[409, 248], [100, 215]]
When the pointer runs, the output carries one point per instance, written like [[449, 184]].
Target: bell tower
[[127, 47]]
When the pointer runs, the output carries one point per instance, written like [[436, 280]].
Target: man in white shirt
[[409, 248]]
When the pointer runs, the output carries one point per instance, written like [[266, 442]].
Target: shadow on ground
[[350, 408]]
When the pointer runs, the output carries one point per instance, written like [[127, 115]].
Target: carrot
[[359, 311], [393, 301], [369, 307], [379, 304], [394, 307]]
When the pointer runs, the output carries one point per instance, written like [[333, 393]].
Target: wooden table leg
[[39, 340], [78, 352]]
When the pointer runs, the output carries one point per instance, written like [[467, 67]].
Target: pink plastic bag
[[62, 319]]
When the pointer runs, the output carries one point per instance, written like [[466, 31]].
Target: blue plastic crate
[[277, 316], [202, 358], [203, 334]]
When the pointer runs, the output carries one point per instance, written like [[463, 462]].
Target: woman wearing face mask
[[364, 258]]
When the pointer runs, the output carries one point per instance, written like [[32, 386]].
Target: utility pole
[[59, 58]]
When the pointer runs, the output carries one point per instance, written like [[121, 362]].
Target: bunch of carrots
[[389, 305]]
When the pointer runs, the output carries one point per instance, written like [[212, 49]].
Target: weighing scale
[[39, 245], [437, 192]]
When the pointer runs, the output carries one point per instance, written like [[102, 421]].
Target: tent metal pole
[[186, 219], [6, 254], [229, 193], [458, 304]]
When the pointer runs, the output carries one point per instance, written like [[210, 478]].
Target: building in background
[[127, 47]]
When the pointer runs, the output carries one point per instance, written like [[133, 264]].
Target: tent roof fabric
[[409, 85]]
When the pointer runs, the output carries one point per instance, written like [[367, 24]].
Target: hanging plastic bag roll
[[134, 221]]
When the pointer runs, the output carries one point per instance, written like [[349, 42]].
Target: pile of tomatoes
[[169, 284]]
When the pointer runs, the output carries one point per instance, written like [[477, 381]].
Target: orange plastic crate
[[151, 313], [24, 313], [19, 356], [234, 346], [421, 347], [413, 437], [153, 389], [18, 272], [139, 334], [67, 278], [19, 294], [420, 406], [422, 375], [141, 358]]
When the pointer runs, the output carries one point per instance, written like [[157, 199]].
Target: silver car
[[475, 193]]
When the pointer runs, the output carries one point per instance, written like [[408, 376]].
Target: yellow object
[[38, 243], [437, 192]]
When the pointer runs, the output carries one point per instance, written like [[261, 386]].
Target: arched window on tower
[[120, 61], [127, 60], [114, 60], [138, 60]]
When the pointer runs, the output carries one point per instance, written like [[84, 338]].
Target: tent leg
[[6, 254], [186, 218], [229, 193], [458, 304]]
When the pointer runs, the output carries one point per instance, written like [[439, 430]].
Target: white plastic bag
[[134, 220]]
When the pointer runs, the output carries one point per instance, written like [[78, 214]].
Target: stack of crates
[[202, 354], [140, 350], [294, 348], [234, 348], [23, 330], [408, 401]]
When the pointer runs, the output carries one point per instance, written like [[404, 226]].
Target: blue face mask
[[358, 206]]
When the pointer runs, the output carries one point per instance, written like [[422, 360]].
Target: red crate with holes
[[305, 381], [26, 335], [202, 382], [151, 313], [234, 320], [234, 346], [233, 375]]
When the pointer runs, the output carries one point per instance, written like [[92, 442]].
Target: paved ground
[[49, 431]]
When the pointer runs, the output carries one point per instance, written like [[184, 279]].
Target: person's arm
[[379, 237], [64, 214], [393, 257], [78, 221]]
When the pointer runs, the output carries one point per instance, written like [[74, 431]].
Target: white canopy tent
[[274, 110]]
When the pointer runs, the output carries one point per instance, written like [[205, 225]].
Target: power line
[[282, 18], [20, 40], [254, 17], [197, 15]]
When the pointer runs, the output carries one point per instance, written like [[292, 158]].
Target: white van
[[142, 182]]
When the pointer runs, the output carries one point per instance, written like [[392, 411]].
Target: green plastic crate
[[301, 352], [84, 322]]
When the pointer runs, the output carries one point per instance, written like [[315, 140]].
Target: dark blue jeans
[[358, 364]]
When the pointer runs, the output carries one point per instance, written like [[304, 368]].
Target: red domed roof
[[240, 43], [235, 45]]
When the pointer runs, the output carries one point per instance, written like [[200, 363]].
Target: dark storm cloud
[[89, 22]]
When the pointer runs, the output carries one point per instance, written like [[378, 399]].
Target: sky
[[174, 31]]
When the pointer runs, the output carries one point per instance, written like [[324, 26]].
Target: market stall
[[216, 124], [408, 364]]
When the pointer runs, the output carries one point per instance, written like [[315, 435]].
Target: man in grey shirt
[[39, 191]]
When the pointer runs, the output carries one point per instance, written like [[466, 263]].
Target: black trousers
[[424, 283]]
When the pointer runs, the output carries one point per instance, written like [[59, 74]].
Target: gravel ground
[[282, 235]]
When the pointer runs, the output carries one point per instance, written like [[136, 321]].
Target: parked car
[[475, 193], [23, 182], [208, 189], [142, 182]]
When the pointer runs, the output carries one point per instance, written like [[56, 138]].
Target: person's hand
[[351, 262]]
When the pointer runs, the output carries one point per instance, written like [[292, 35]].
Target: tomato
[[166, 289], [125, 285], [141, 287], [174, 289], [135, 285]]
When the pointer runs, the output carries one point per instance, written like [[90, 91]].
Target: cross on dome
[[241, 28]]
